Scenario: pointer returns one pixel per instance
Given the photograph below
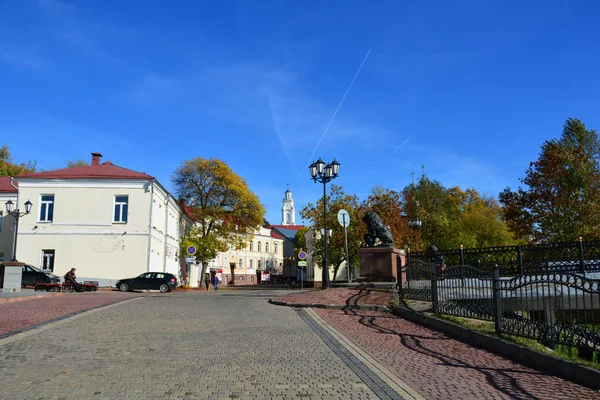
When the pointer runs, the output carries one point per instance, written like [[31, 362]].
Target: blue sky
[[469, 89]]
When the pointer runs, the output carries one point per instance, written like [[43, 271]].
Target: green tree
[[451, 217], [77, 163], [336, 246], [224, 209], [562, 189], [8, 168]]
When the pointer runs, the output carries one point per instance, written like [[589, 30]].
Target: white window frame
[[122, 218], [259, 248], [47, 203], [251, 264], [275, 248], [267, 247]]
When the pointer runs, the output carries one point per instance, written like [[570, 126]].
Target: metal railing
[[559, 308], [580, 257]]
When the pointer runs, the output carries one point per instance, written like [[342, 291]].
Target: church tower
[[288, 212]]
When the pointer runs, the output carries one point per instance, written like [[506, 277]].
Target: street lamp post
[[415, 224], [324, 173], [16, 214]]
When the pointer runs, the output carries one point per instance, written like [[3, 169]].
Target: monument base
[[380, 264]]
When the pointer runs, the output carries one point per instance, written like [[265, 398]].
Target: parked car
[[149, 281], [31, 276]]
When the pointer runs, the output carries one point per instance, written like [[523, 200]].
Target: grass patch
[[565, 352]]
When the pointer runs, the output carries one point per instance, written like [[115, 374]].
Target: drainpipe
[[15, 223], [166, 232], [150, 226]]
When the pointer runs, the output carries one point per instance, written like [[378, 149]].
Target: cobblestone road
[[181, 345]]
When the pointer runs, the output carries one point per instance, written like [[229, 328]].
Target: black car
[[149, 281], [31, 276]]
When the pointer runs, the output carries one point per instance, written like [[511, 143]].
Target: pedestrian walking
[[216, 283], [207, 282]]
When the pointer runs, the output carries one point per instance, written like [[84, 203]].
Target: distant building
[[106, 221], [288, 211]]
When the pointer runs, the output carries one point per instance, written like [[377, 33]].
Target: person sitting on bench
[[70, 278]]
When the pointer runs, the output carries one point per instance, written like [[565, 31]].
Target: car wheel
[[38, 281], [124, 287], [164, 288]]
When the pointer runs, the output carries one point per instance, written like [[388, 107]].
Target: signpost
[[302, 263], [191, 250], [344, 220]]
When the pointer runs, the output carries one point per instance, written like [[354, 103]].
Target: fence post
[[462, 255], [434, 292], [520, 260], [497, 300], [581, 259]]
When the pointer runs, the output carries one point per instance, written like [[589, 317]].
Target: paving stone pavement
[[202, 345], [439, 367]]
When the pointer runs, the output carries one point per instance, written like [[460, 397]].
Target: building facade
[[262, 254], [106, 221]]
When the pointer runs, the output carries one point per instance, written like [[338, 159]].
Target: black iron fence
[[561, 308], [580, 257]]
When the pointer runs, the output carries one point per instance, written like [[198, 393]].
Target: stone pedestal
[[380, 264], [11, 273]]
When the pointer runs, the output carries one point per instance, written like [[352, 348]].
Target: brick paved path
[[439, 367], [207, 345], [22, 312]]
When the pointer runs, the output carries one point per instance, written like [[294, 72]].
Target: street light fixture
[[16, 214], [416, 225], [324, 173]]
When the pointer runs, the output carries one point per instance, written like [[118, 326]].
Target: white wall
[[84, 235]]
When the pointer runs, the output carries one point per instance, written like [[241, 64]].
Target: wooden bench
[[87, 287]]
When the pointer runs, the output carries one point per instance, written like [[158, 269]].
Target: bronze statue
[[377, 230]]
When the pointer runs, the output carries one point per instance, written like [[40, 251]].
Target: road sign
[[344, 218], [302, 255], [191, 250], [190, 259], [302, 263]]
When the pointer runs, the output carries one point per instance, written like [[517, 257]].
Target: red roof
[[276, 235], [106, 170], [292, 227], [5, 186]]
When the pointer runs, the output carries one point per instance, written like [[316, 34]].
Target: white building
[[7, 192], [106, 221], [288, 211], [262, 253]]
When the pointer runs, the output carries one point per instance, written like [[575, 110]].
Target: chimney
[[96, 158]]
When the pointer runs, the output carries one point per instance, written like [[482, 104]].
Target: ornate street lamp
[[324, 173], [16, 214]]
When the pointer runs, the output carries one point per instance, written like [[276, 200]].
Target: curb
[[550, 364], [328, 306]]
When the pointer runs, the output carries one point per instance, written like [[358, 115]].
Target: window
[[251, 246], [259, 247], [47, 208], [288, 219], [121, 209], [251, 264], [1, 256], [48, 260], [241, 263], [266, 247], [0, 221], [275, 248]]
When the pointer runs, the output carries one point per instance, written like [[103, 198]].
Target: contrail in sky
[[337, 109]]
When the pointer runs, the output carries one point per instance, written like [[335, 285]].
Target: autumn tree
[[9, 168], [451, 217], [561, 196], [224, 209], [336, 245]]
